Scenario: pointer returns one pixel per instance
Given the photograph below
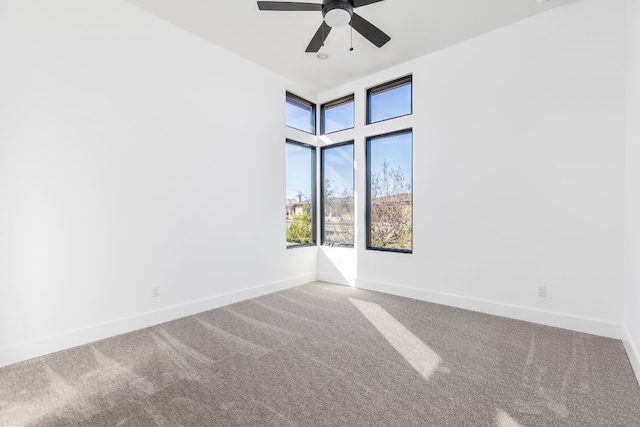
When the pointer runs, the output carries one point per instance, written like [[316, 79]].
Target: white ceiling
[[277, 40]]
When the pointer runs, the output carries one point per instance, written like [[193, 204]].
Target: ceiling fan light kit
[[336, 13]]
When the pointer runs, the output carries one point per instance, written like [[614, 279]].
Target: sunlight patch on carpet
[[419, 355], [505, 420]]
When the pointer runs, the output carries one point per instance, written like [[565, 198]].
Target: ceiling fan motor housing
[[337, 13]]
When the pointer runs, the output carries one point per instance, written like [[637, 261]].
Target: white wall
[[518, 172], [632, 187], [132, 155]]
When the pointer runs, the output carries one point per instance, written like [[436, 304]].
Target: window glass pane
[[389, 192], [300, 114], [338, 115], [389, 101], [300, 180], [337, 195]]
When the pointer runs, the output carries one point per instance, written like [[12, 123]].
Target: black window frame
[[322, 188], [300, 100], [368, 191], [385, 87], [312, 196], [337, 103]]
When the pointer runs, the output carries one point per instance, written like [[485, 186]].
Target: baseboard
[[632, 353], [558, 320], [335, 279], [51, 344]]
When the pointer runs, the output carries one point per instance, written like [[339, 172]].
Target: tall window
[[337, 195], [301, 171], [389, 100], [389, 192], [337, 115], [300, 114]]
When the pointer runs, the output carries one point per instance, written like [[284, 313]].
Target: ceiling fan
[[336, 13]]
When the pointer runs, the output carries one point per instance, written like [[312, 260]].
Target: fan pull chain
[[351, 49]]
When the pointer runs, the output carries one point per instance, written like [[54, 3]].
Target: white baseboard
[[51, 344], [632, 353], [335, 279], [558, 320]]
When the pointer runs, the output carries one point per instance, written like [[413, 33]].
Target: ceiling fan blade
[[319, 38], [369, 31], [288, 5], [360, 3]]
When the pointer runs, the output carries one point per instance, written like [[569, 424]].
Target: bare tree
[[338, 214], [391, 210]]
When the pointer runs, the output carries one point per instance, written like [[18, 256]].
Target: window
[[300, 178], [389, 100], [337, 115], [389, 192], [300, 114], [337, 195]]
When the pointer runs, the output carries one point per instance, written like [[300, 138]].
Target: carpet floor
[[328, 355]]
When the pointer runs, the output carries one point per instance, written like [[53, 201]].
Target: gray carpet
[[327, 355]]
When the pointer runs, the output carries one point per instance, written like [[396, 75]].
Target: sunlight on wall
[[424, 360]]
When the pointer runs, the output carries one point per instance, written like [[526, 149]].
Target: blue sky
[[338, 167], [396, 149], [299, 168], [339, 118], [298, 117], [391, 103]]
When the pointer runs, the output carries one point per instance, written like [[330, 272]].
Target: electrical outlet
[[155, 291], [542, 291]]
